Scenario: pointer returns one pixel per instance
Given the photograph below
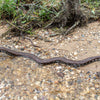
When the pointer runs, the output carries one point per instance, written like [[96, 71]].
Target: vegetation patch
[[29, 14]]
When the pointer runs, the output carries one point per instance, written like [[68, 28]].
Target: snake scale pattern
[[51, 60]]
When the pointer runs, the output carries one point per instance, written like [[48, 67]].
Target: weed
[[7, 8]]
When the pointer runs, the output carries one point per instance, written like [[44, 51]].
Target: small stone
[[8, 38], [96, 97], [60, 74], [68, 38], [36, 91], [19, 83], [70, 70], [94, 78], [37, 83], [98, 52], [16, 46], [98, 41], [35, 42], [88, 72], [66, 70], [75, 53], [98, 74], [82, 49], [35, 98], [57, 98], [46, 33], [89, 42], [72, 73], [22, 49], [53, 49], [79, 81], [92, 88], [82, 35], [70, 82], [59, 67], [75, 37], [76, 58], [57, 51]]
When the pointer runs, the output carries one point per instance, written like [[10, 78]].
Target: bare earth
[[23, 79]]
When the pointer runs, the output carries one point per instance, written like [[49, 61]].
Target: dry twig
[[22, 34], [72, 27]]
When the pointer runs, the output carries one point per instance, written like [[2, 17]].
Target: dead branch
[[72, 27]]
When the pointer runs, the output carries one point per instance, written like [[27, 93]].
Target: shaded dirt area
[[23, 79]]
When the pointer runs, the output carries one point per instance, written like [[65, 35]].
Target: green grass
[[46, 8], [42, 10], [7, 8]]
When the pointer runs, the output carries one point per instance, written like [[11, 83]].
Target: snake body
[[51, 60]]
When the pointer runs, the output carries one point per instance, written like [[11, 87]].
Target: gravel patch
[[23, 79]]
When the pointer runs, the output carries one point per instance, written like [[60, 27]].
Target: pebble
[[8, 38], [72, 72], [75, 53], [56, 51], [43, 83], [46, 33], [98, 41], [82, 49], [76, 57], [37, 83], [83, 35], [22, 49], [59, 67], [69, 39], [35, 98], [35, 43], [16, 46], [98, 74], [53, 49]]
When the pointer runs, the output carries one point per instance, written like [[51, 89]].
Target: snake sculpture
[[51, 60]]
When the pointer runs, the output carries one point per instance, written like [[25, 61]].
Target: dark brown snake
[[51, 60]]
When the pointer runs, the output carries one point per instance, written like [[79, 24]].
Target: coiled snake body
[[51, 60]]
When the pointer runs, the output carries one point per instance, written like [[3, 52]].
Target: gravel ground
[[23, 79]]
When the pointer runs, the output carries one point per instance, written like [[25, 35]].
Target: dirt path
[[23, 78]]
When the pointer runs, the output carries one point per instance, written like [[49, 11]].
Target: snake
[[75, 63]]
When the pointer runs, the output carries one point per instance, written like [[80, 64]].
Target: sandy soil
[[82, 43]]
